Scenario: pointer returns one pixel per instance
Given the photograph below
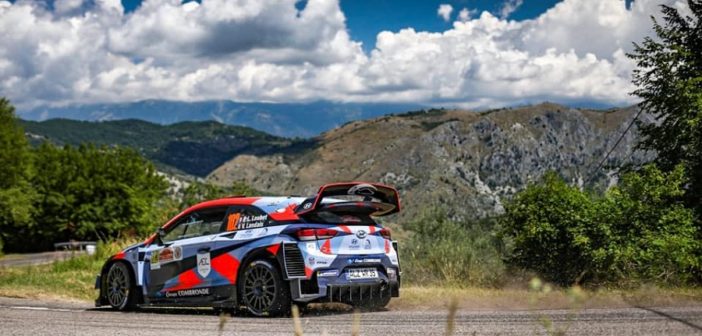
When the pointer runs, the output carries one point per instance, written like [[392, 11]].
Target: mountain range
[[288, 120], [468, 162]]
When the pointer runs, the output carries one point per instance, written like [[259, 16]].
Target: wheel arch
[[259, 253]]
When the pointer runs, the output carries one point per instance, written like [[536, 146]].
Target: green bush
[[650, 235], [637, 232], [448, 252], [549, 225]]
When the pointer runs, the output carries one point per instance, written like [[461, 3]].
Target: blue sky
[[503, 53]]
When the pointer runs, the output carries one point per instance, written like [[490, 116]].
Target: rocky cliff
[[470, 162]]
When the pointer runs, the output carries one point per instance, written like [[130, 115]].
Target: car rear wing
[[378, 199]]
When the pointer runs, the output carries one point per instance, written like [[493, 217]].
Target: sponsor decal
[[328, 273], [364, 260], [166, 255], [188, 292], [361, 234], [203, 264], [307, 205], [367, 244], [322, 262], [354, 244], [246, 234], [310, 260], [251, 222], [262, 232]]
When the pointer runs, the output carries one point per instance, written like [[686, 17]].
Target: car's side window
[[243, 217], [199, 223]]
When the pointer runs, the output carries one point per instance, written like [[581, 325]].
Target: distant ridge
[[288, 120], [191, 147]]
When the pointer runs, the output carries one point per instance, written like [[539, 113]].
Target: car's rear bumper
[[330, 285]]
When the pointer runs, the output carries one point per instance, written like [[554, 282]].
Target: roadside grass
[[69, 279]]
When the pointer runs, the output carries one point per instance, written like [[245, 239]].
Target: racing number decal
[[232, 221]]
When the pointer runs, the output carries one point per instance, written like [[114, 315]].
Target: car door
[[180, 265]]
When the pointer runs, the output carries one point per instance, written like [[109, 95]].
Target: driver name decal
[[251, 222]]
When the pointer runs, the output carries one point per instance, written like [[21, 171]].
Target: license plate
[[361, 273]]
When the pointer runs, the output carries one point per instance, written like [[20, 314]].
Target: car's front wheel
[[119, 287], [263, 290]]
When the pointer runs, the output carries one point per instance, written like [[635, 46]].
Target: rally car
[[263, 254]]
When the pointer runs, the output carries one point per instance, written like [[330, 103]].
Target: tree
[[15, 161], [649, 234], [669, 81], [90, 192], [637, 231]]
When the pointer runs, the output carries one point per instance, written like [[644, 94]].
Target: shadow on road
[[313, 310], [671, 317]]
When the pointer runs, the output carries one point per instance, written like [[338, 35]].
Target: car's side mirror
[[160, 233]]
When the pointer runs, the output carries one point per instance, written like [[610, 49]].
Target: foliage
[[192, 147], [650, 235], [449, 252], [669, 81], [16, 197], [638, 230], [197, 192], [51, 194], [90, 192], [549, 225]]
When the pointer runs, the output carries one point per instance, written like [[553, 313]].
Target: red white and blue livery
[[263, 254]]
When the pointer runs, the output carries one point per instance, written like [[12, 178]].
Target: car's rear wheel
[[119, 287], [263, 291]]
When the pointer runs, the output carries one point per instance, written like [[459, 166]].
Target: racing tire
[[120, 291], [263, 291]]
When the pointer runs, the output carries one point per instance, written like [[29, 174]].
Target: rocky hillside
[[470, 162]]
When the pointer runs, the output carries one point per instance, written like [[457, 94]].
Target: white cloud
[[509, 7], [465, 14], [248, 50], [444, 11]]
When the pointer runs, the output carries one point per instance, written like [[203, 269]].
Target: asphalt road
[[27, 317], [36, 258]]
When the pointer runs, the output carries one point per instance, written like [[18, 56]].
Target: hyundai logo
[[361, 234]]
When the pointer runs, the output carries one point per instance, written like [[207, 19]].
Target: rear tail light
[[306, 234], [314, 234], [325, 233], [385, 233]]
